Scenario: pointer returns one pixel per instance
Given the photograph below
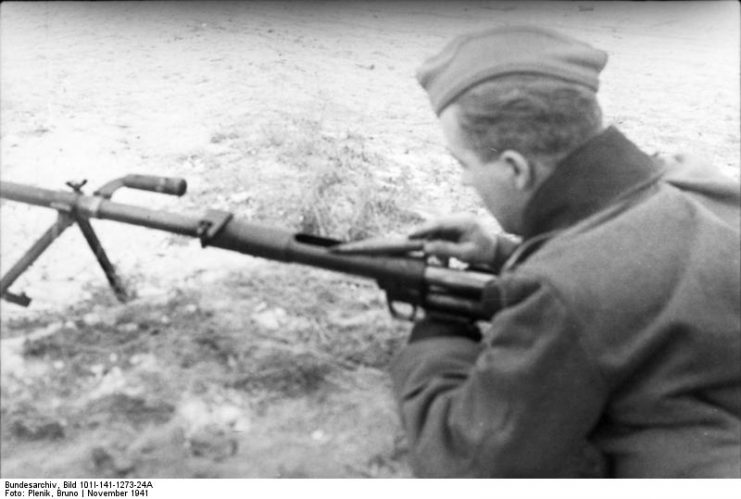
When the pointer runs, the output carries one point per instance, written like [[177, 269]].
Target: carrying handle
[[175, 186], [167, 185]]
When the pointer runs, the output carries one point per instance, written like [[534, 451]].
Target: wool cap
[[476, 57]]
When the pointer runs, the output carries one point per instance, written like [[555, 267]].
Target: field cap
[[483, 55]]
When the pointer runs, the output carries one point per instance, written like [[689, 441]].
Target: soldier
[[616, 351]]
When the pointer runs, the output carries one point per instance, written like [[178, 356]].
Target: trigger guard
[[395, 313]]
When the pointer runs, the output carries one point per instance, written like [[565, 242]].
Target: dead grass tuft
[[345, 199], [27, 422], [281, 373]]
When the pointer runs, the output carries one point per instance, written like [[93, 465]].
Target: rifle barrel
[[433, 287], [243, 237]]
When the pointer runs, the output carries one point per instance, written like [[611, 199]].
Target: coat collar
[[587, 181]]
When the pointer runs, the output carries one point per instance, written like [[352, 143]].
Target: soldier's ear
[[521, 170]]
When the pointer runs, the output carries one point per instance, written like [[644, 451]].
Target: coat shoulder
[[666, 262]]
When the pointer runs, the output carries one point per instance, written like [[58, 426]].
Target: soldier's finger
[[450, 229], [424, 230], [446, 249]]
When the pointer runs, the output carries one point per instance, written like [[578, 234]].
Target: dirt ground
[[302, 115]]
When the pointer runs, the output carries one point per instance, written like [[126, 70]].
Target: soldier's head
[[513, 102]]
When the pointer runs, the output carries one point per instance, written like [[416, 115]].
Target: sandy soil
[[226, 365]]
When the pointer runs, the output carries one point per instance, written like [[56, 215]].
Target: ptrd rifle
[[409, 278]]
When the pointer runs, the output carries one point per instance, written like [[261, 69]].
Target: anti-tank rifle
[[399, 267]]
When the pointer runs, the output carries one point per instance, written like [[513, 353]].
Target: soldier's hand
[[459, 236]]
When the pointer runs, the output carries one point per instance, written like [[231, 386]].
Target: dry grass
[[294, 173]]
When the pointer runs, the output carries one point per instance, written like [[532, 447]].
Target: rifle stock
[[407, 279]]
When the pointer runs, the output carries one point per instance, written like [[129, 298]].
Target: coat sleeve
[[520, 404]]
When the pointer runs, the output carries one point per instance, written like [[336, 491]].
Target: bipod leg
[[105, 263], [35, 251]]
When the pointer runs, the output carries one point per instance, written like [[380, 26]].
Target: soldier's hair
[[539, 116]]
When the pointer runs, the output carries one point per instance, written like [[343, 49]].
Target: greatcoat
[[617, 348]]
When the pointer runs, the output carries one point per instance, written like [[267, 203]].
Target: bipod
[[67, 215]]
